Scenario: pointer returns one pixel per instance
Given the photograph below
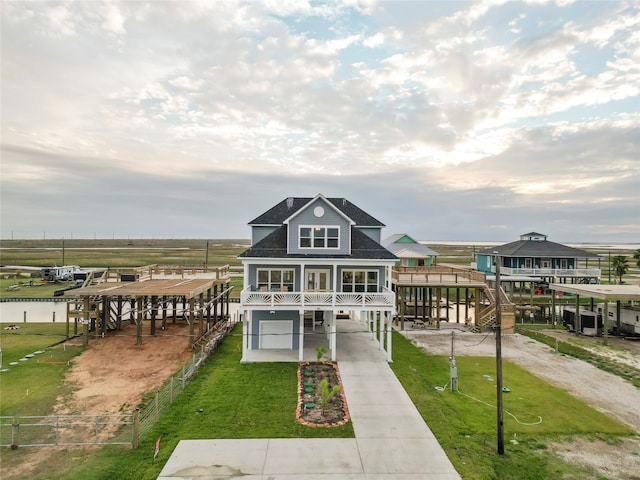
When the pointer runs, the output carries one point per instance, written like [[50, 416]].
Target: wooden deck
[[437, 276]]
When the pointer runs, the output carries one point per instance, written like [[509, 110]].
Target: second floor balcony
[[313, 300], [551, 272]]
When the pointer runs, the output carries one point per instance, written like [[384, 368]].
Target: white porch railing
[[551, 272], [313, 300]]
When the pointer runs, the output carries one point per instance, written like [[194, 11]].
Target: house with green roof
[[312, 259], [410, 253]]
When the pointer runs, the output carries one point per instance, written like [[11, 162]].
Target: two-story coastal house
[[534, 258], [312, 259]]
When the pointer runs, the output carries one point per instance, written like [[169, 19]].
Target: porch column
[[382, 327], [301, 337], [332, 339], [605, 321], [374, 325], [245, 336], [577, 323], [249, 319], [389, 331]]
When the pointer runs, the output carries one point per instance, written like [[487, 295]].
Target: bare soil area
[[113, 373], [604, 391]]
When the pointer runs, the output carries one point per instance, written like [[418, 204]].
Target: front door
[[317, 280]]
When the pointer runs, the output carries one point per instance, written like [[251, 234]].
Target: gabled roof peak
[[279, 213]]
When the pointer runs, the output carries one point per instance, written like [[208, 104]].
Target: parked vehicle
[[58, 274], [587, 324], [629, 318]]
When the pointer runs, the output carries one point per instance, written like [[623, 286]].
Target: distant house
[[310, 260], [534, 258], [409, 252]]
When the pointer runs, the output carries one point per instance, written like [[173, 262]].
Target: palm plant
[[620, 265], [326, 393], [636, 257]]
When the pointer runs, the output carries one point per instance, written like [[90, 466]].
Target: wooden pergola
[[101, 307]]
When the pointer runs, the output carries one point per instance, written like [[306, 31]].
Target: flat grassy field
[[121, 253], [31, 386]]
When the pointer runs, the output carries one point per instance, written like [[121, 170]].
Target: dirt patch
[[603, 391], [113, 373], [620, 461]]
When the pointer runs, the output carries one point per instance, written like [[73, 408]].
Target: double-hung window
[[360, 281], [275, 280], [319, 237]]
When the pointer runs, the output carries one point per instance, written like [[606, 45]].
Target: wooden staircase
[[487, 317]]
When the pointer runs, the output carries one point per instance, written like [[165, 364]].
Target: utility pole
[[500, 418]]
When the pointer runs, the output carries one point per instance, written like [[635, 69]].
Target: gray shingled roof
[[533, 248], [287, 207], [274, 245]]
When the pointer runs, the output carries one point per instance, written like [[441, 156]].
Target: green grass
[[38, 289], [31, 387], [121, 252], [466, 428]]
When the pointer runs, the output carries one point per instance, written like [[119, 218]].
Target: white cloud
[[466, 101]]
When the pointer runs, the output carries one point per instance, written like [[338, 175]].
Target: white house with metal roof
[[311, 260]]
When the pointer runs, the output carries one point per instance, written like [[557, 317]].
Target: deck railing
[[318, 299], [552, 272], [436, 274]]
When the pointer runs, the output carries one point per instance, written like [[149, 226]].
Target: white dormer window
[[319, 236]]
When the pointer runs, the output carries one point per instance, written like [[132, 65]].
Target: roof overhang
[[604, 292]]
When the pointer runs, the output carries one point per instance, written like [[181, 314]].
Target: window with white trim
[[275, 280], [360, 281], [319, 237]]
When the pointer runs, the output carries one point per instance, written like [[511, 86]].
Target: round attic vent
[[318, 211]]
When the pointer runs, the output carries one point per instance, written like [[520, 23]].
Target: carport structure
[[608, 293], [200, 302]]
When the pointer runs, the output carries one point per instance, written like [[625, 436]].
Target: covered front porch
[[325, 334]]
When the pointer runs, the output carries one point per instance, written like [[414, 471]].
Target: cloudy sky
[[444, 120]]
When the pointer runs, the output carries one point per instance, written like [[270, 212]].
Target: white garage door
[[276, 334]]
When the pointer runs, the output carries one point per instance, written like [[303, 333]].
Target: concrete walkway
[[392, 441]]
